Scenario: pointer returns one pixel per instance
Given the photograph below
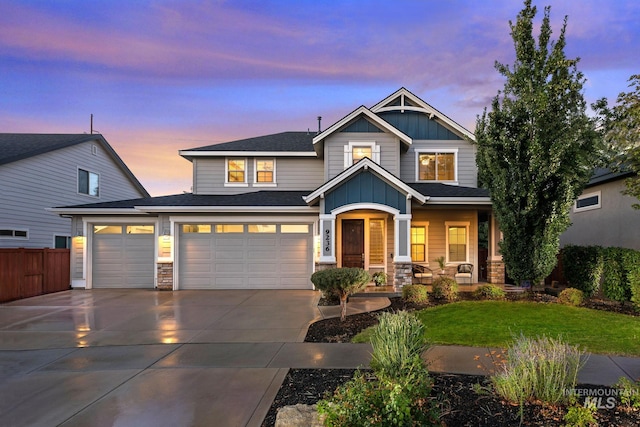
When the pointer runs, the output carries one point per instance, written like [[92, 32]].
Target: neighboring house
[[38, 171], [602, 215], [382, 188]]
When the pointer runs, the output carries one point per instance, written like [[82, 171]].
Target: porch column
[[402, 250], [495, 264], [327, 239]]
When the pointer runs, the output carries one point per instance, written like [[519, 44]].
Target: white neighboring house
[[383, 188], [40, 171], [604, 216]]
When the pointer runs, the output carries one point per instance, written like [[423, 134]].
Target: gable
[[362, 125], [418, 125], [365, 187]]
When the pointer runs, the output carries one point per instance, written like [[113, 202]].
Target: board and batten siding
[[32, 185], [467, 169], [334, 150], [292, 173]]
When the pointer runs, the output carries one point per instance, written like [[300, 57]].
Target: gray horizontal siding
[[292, 173], [334, 150], [31, 185], [467, 170]]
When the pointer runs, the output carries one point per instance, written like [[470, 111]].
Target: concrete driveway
[[150, 358]]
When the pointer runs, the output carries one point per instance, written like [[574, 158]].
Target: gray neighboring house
[[602, 215], [383, 188], [39, 171]]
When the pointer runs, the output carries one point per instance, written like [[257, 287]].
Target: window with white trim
[[419, 240], [88, 183], [376, 242], [264, 172], [587, 202], [13, 233], [236, 171], [356, 151], [457, 242], [437, 165]]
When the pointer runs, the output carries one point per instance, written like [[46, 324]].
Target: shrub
[[629, 392], [418, 294], [379, 278], [489, 292], [571, 296], [398, 342], [341, 282], [614, 276], [541, 368], [365, 401], [632, 261], [581, 416], [445, 287], [582, 267]]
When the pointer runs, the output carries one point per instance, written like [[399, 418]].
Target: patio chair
[[465, 272], [421, 273]]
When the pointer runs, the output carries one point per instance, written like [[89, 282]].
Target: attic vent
[[94, 150]]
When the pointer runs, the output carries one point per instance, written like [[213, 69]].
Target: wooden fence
[[30, 272]]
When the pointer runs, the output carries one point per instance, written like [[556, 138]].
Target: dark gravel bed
[[465, 400]]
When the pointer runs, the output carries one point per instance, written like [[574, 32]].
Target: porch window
[[437, 166], [457, 242], [418, 243], [265, 171], [376, 242], [236, 171]]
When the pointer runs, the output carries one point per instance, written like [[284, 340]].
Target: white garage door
[[245, 256], [122, 256]]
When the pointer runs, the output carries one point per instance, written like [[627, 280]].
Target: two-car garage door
[[245, 256]]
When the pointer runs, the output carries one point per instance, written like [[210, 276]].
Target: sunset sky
[[160, 76]]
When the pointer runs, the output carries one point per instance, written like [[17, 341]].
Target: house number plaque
[[327, 241]]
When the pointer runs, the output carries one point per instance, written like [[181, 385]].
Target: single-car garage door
[[245, 256], [123, 256]]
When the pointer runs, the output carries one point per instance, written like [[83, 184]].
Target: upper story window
[[437, 165], [356, 151], [265, 172], [236, 172], [587, 202], [88, 183]]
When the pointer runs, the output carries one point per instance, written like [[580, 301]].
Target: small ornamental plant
[[444, 288], [571, 296], [380, 278], [341, 282], [491, 292], [417, 294]]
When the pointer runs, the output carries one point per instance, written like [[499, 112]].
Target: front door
[[353, 243]]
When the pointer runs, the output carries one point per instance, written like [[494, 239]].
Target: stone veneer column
[[325, 266], [403, 275], [495, 272], [165, 276]]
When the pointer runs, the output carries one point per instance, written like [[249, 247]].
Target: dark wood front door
[[353, 243]]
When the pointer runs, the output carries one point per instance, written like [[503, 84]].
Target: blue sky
[[160, 76]]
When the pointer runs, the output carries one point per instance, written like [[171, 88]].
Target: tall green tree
[[535, 147], [623, 134]]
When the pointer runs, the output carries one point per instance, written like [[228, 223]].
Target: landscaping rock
[[298, 416]]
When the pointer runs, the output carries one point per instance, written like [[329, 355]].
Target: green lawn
[[494, 323]]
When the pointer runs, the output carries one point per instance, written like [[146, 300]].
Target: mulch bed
[[465, 400]]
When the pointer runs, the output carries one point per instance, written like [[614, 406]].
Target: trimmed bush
[[489, 291], [418, 294], [632, 261], [571, 296], [583, 267], [538, 369], [341, 282], [445, 288], [614, 275]]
